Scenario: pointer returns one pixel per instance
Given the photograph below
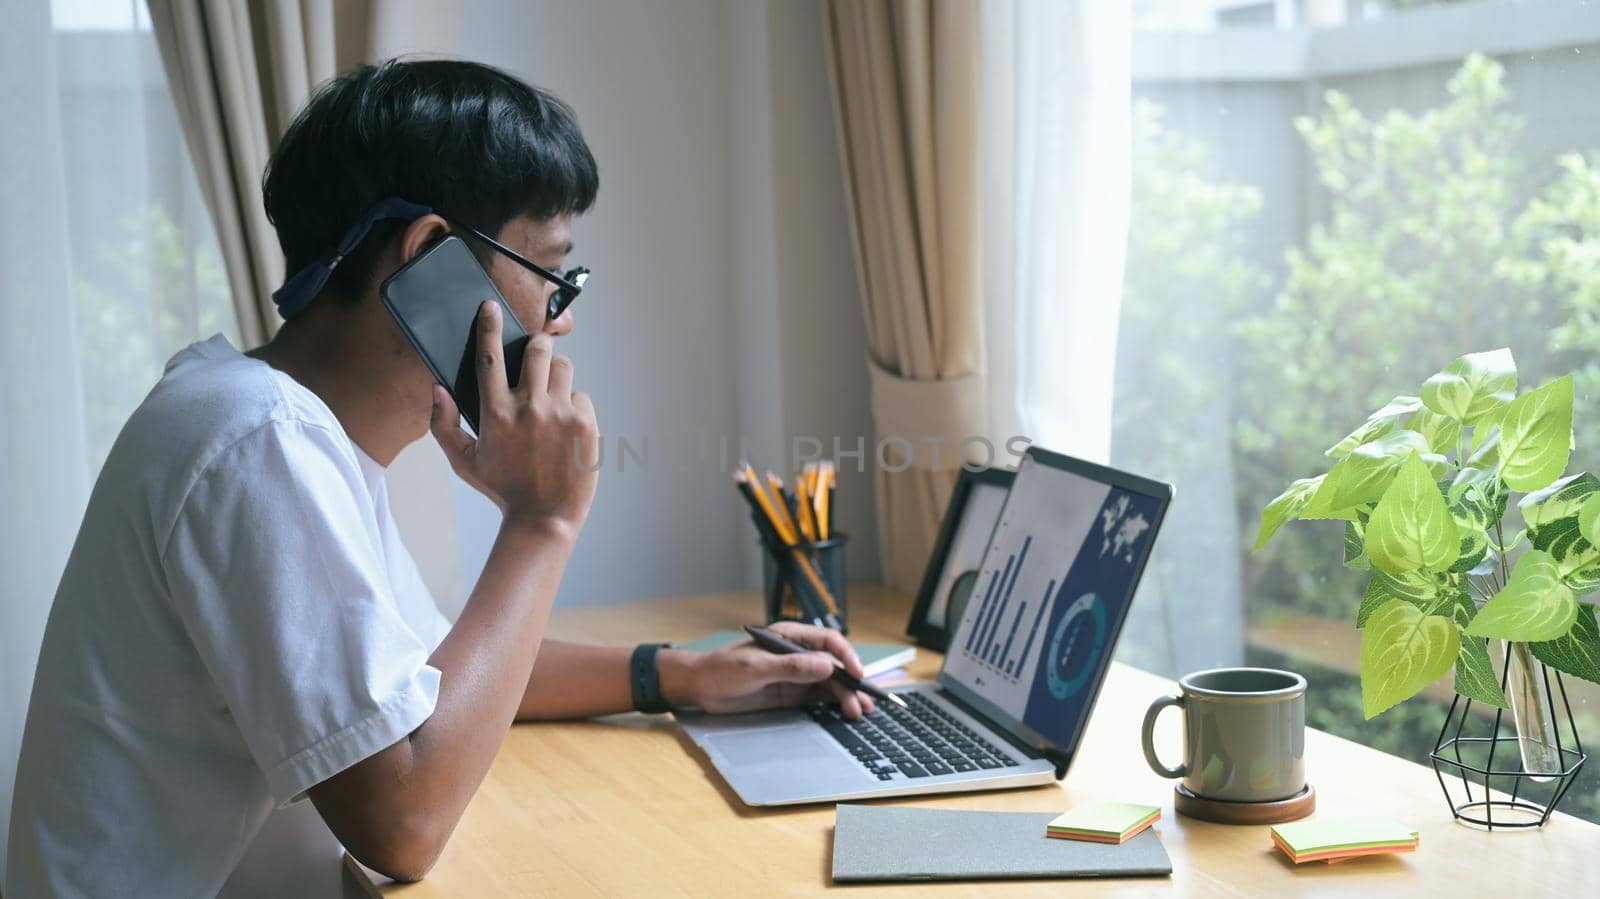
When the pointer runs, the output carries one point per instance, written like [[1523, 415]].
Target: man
[[239, 627]]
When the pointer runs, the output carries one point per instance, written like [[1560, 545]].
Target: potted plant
[[1425, 487]]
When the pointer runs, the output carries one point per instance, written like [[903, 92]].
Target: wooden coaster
[[1224, 812]]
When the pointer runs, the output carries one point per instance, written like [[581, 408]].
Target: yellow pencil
[[766, 505], [824, 502], [802, 501], [775, 484]]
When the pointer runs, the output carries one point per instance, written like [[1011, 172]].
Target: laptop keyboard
[[920, 741]]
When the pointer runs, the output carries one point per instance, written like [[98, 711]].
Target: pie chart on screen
[[1076, 645]]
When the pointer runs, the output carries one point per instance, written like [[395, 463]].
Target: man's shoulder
[[210, 399], [211, 395]]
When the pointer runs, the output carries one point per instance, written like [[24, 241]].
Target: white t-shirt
[[238, 621]]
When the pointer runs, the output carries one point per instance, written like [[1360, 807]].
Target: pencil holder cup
[[791, 592]]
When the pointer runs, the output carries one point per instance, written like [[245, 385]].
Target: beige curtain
[[905, 77], [239, 70]]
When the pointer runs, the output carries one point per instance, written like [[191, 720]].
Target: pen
[[772, 641]]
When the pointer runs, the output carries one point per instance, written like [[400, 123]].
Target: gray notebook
[[884, 842]]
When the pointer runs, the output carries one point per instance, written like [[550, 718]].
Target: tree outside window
[[1437, 234]]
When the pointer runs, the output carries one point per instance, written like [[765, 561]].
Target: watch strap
[[645, 679]]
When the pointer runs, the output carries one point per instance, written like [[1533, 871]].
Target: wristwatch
[[645, 678]]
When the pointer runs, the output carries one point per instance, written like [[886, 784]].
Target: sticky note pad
[[1103, 822], [1336, 839]]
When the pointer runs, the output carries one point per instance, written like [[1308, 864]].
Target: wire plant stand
[[1462, 753]]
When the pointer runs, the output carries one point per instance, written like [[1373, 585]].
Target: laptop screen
[[1038, 631]]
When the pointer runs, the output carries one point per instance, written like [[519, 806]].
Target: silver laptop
[[1020, 675]]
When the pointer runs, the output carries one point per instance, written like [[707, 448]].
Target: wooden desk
[[627, 806]]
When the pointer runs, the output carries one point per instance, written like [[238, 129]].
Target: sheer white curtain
[[1056, 188], [107, 266], [42, 452]]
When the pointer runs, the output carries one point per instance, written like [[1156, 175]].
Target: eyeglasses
[[568, 286]]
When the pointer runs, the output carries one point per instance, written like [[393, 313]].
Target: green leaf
[[1377, 425], [1554, 519], [1551, 514], [1472, 386], [1534, 606], [1580, 570], [1487, 431], [1286, 508], [1589, 519], [1442, 432], [1412, 527], [1475, 677], [1403, 651], [1419, 588], [1486, 568], [1355, 542], [1355, 552], [1376, 597], [1536, 436], [1577, 653], [1364, 475], [1321, 506], [1485, 453], [1474, 515], [1490, 486]]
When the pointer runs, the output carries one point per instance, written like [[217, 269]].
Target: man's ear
[[419, 234]]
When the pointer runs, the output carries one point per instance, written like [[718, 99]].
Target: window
[[110, 266], [147, 277], [1331, 201]]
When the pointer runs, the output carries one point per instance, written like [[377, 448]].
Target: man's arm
[[575, 680], [395, 810]]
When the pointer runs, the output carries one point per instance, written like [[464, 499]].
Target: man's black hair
[[474, 143]]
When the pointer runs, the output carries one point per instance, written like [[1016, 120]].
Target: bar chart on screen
[[1000, 642]]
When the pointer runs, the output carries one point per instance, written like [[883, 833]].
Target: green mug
[[1244, 734]]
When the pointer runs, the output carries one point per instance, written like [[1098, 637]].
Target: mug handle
[[1148, 738]]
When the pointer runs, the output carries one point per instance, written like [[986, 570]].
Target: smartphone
[[435, 300]]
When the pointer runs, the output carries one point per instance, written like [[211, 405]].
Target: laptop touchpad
[[780, 745]]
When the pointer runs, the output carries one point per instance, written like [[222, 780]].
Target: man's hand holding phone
[[538, 444]]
